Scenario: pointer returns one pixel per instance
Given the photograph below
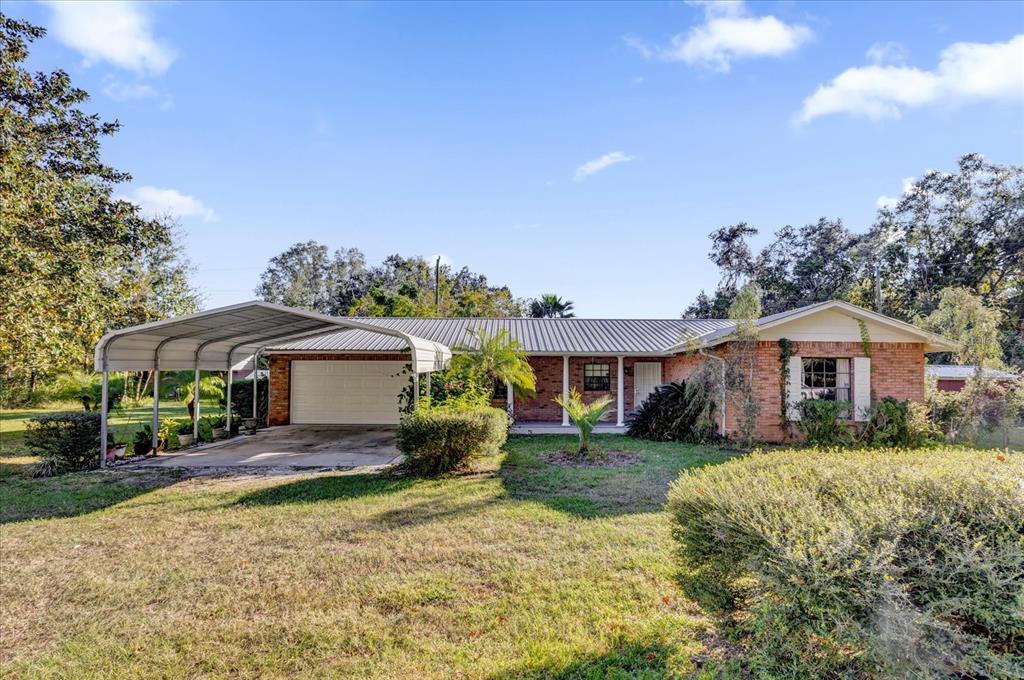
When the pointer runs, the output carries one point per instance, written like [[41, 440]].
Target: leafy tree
[[307, 277], [70, 252], [961, 229], [964, 318], [491, 359], [551, 306]]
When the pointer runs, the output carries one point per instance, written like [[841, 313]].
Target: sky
[[581, 149]]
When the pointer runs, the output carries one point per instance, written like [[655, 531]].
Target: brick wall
[[897, 370], [279, 410]]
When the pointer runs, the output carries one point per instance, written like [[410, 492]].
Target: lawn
[[123, 424], [520, 569]]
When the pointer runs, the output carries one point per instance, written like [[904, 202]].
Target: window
[[827, 379], [597, 378]]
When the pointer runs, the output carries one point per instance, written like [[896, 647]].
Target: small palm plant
[[584, 416]]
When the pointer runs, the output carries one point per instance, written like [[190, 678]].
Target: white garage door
[[346, 392]]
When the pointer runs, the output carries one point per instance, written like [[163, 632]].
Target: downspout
[[721, 362]]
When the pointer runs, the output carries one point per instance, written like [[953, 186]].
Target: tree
[[551, 306], [307, 277], [741, 362], [964, 318], [488, 360], [69, 251]]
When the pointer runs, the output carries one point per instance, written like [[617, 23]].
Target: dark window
[[597, 378], [827, 379]]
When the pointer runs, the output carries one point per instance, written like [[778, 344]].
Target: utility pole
[[437, 283]]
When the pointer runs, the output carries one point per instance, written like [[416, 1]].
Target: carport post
[[227, 406], [255, 379], [156, 404], [195, 405], [415, 388], [104, 397]]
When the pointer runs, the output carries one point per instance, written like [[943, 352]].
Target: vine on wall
[[786, 351], [865, 338]]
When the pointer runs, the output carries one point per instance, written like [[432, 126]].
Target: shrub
[[870, 563], [205, 430], [821, 422], [143, 442], [903, 424], [65, 441], [437, 440], [584, 416], [674, 412], [241, 401], [167, 437]]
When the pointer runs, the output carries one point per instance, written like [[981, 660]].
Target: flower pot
[[115, 452], [219, 432], [249, 424], [185, 440]]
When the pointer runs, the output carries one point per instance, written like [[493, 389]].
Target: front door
[[646, 376]]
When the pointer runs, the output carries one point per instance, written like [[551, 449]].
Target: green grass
[[123, 423], [519, 569]]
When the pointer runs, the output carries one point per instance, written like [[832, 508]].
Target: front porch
[[542, 427]]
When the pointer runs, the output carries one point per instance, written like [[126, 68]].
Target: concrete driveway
[[292, 446]]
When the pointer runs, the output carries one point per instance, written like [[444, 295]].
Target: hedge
[[881, 563], [437, 440]]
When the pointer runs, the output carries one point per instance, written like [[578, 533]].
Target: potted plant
[[185, 436], [219, 427], [205, 430], [143, 443], [116, 451], [249, 424], [167, 437]]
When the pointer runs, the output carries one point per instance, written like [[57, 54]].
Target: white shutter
[[796, 377], [861, 388]]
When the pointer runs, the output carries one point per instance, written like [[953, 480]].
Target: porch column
[[104, 397], [156, 405], [509, 396], [565, 388], [620, 418]]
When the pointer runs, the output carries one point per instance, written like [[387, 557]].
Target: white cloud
[[155, 202], [887, 53], [966, 72], [891, 201], [598, 164], [115, 32], [121, 91], [729, 33]]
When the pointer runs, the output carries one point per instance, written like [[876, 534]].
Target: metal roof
[[215, 337], [538, 336], [952, 372]]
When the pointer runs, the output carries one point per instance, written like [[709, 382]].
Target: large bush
[[65, 442], [241, 401], [676, 411], [881, 563], [437, 440]]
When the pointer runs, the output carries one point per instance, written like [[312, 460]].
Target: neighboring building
[[355, 376], [951, 378]]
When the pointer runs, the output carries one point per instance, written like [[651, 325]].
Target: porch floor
[[541, 427]]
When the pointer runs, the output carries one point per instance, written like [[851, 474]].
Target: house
[[951, 378], [839, 351]]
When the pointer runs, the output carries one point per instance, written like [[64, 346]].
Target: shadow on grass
[[631, 659], [23, 497], [329, 488], [596, 491]]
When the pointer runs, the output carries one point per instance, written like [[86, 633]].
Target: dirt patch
[[599, 459]]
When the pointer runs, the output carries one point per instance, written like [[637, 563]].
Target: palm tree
[[584, 416], [210, 387], [490, 359], [551, 306]]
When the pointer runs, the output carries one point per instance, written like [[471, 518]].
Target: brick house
[[838, 351]]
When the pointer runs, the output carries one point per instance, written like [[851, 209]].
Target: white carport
[[230, 338]]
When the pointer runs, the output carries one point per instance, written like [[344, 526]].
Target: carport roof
[[213, 337]]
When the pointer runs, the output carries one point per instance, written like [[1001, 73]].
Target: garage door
[[346, 392]]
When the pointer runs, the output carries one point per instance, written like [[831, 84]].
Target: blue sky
[[581, 149]]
